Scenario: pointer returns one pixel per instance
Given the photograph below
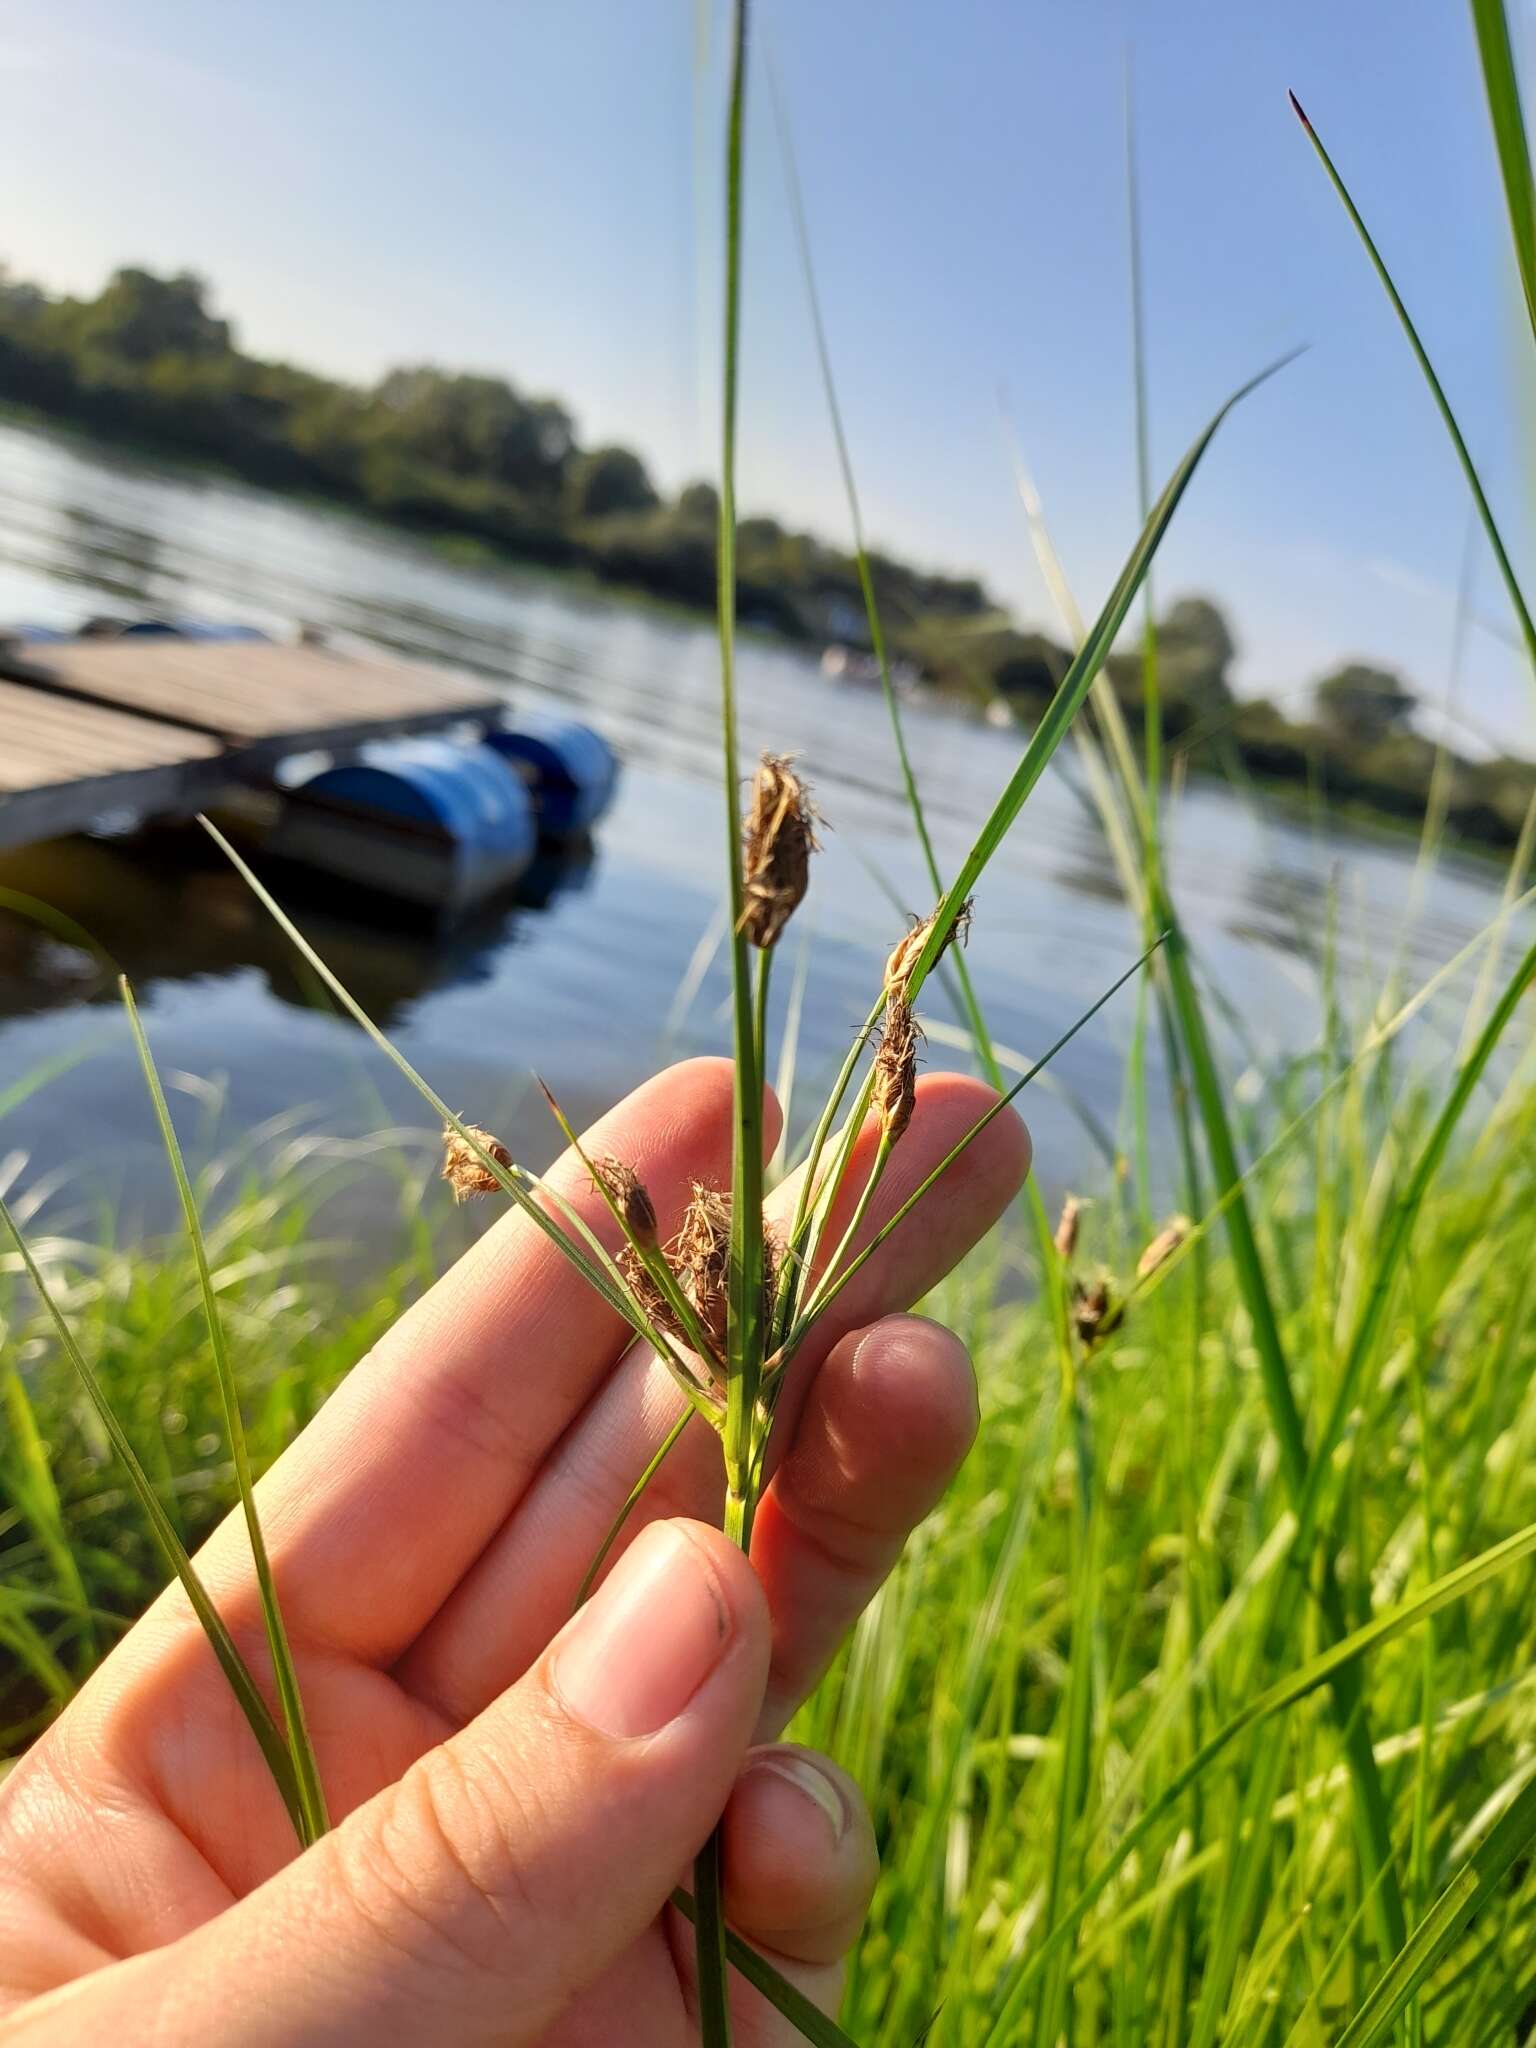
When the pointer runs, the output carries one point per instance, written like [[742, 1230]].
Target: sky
[[533, 187]]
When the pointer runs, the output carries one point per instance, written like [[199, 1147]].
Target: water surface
[[608, 967]]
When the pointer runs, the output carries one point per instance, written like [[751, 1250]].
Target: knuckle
[[472, 1418], [438, 1872]]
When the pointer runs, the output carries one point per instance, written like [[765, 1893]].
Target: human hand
[[516, 1792]]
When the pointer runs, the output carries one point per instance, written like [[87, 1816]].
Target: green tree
[[21, 304], [140, 317], [699, 503], [474, 426], [602, 481], [1364, 704], [1195, 651]]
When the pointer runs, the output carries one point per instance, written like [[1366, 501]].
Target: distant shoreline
[[1291, 799], [483, 473]]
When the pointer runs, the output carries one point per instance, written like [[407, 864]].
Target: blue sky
[[530, 186]]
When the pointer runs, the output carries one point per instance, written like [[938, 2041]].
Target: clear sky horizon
[[534, 190]]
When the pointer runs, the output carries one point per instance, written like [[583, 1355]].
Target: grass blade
[[1508, 122], [1397, 1235], [514, 1181], [306, 1767], [1437, 390], [36, 1496], [826, 1295], [744, 1303], [1077, 681], [1281, 1404], [631, 1500], [970, 1004], [1478, 1878], [649, 1256], [808, 2020], [1317, 1671], [266, 1731], [745, 1319]]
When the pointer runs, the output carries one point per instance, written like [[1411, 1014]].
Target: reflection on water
[[167, 907], [585, 982]]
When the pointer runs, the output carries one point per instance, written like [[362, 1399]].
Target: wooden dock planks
[[245, 692], [158, 725]]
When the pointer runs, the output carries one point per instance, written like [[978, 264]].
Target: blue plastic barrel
[[422, 819], [188, 629], [138, 629], [570, 770]]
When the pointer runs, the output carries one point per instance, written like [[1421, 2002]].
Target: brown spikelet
[[1096, 1314], [630, 1197], [1066, 1228], [700, 1256], [778, 839], [895, 1073], [641, 1283], [1162, 1247], [464, 1170], [904, 957]]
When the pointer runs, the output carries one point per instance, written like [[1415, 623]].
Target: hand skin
[[515, 1792]]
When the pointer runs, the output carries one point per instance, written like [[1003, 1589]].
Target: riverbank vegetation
[[459, 454], [1091, 1607]]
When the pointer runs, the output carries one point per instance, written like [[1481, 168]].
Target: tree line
[[461, 453]]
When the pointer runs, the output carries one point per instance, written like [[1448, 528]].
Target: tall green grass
[[79, 1555], [954, 1703]]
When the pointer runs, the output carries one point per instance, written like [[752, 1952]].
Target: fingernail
[[807, 1777], [640, 1649]]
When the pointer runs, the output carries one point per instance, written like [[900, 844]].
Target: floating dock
[[161, 726]]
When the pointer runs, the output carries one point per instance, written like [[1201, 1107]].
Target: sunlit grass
[[956, 1704]]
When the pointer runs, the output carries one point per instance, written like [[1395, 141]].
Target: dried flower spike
[[463, 1168], [778, 839], [1162, 1247], [700, 1255], [895, 1075], [630, 1197], [1066, 1228], [1095, 1312], [898, 969]]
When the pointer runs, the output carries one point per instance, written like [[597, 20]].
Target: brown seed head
[[641, 1283], [1162, 1247], [1066, 1228], [895, 1075], [898, 969], [778, 839], [1095, 1312], [700, 1257], [463, 1168], [630, 1196]]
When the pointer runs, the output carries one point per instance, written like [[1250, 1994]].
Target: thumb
[[472, 1900]]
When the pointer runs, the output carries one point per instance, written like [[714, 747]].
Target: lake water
[[610, 967]]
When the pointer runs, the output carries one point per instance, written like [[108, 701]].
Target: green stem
[[658, 1458], [855, 1221], [810, 1178], [744, 1319]]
